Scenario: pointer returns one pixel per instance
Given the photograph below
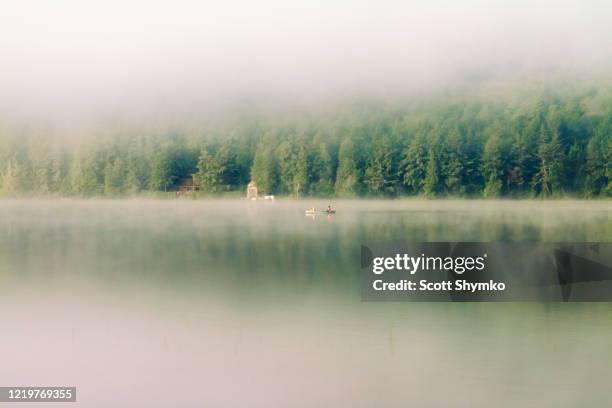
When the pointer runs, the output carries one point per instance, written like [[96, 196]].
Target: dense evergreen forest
[[548, 145]]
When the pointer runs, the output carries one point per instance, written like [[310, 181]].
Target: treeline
[[549, 145]]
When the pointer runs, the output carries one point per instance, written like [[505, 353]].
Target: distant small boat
[[312, 211]]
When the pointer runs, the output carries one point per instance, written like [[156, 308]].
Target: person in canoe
[[330, 210]]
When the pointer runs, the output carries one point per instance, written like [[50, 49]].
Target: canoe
[[310, 212]]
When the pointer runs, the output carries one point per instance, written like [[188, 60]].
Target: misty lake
[[144, 303]]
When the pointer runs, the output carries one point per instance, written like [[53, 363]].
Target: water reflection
[[237, 303]]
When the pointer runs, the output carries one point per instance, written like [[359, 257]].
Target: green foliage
[[432, 176], [136, 167], [115, 175], [301, 178], [172, 162], [415, 164], [549, 179], [453, 163], [492, 167], [347, 176], [210, 173], [546, 144], [381, 175], [227, 159], [264, 171], [598, 167], [87, 173], [12, 177], [288, 164], [322, 172]]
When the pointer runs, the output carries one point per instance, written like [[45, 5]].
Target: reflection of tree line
[[258, 253], [549, 145]]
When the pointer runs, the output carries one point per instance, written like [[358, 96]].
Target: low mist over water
[[144, 303]]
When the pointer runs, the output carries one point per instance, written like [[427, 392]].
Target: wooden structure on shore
[[186, 187], [252, 191]]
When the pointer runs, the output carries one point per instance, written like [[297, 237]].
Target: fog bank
[[75, 59]]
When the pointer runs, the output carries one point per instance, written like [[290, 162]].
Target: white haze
[[70, 58]]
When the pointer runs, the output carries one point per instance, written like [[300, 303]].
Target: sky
[[77, 58]]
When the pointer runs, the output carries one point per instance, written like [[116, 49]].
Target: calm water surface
[[233, 303]]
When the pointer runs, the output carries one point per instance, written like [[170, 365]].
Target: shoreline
[[171, 196]]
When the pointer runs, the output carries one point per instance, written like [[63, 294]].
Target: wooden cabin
[[186, 186], [252, 191]]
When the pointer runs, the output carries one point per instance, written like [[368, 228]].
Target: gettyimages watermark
[[479, 271]]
